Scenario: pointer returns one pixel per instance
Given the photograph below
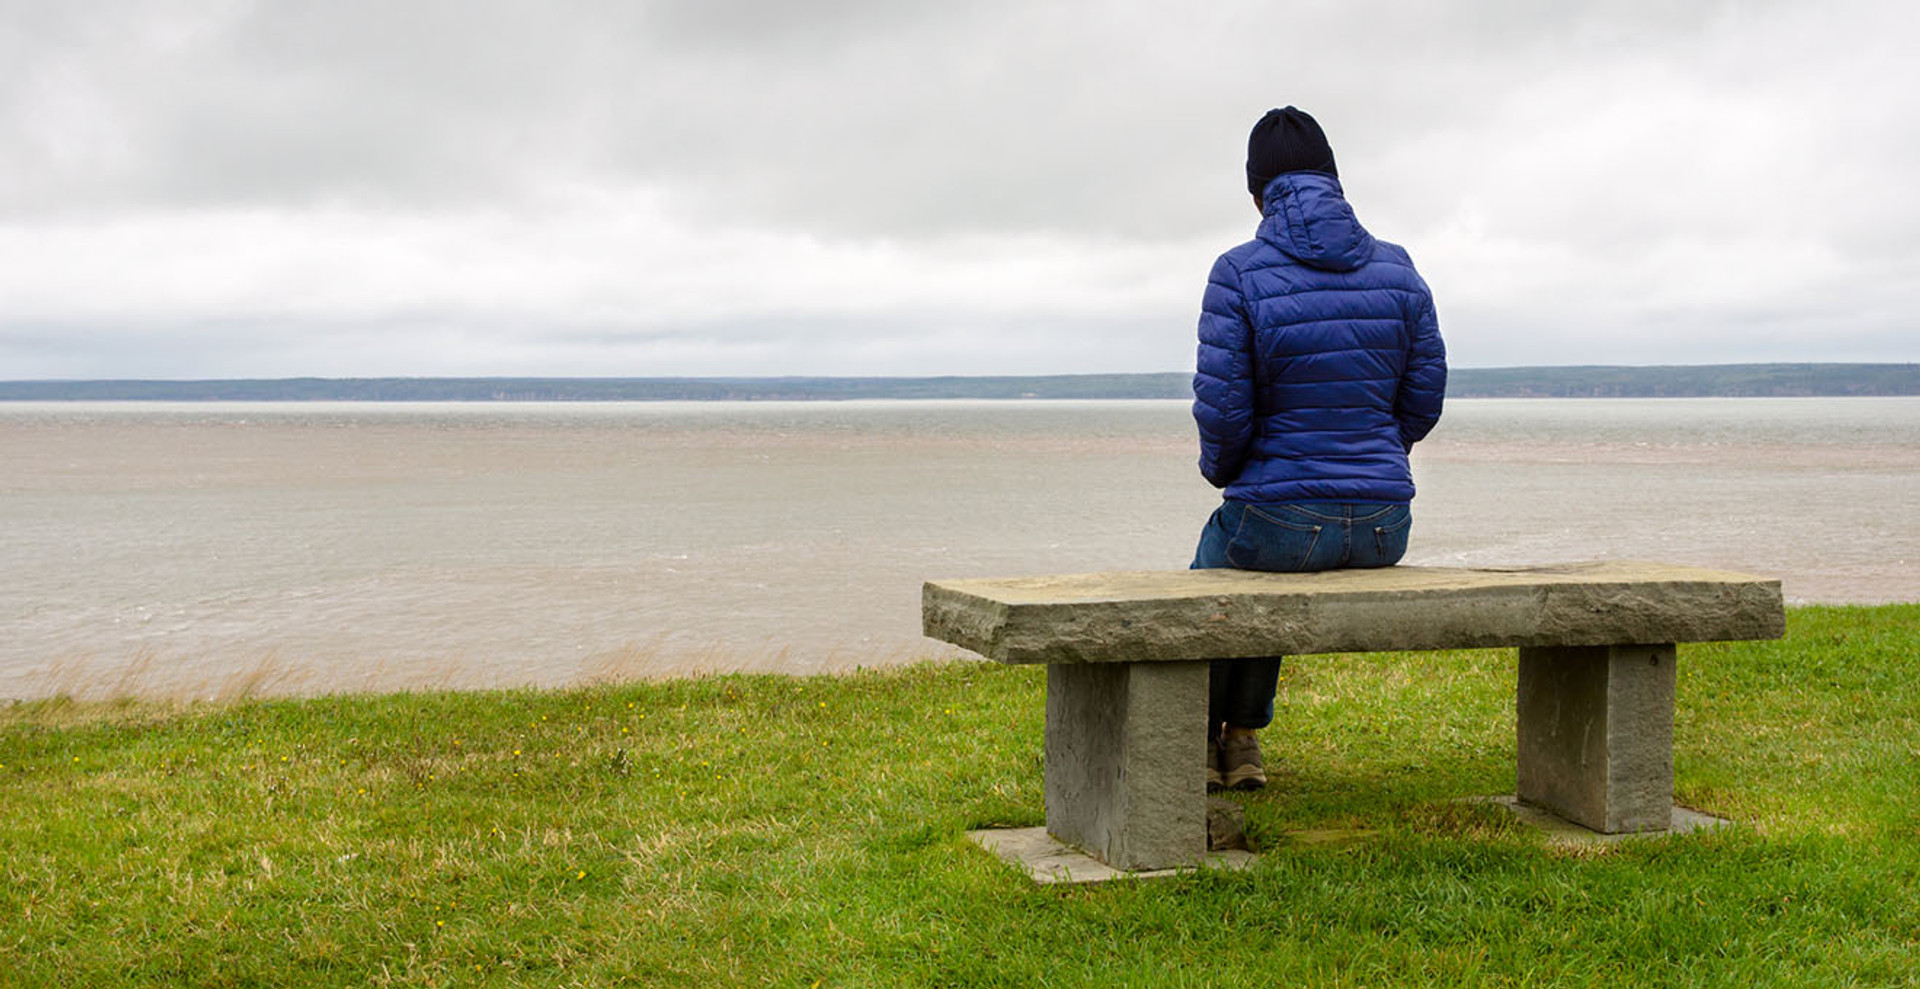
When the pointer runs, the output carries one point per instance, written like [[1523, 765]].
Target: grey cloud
[[254, 347], [286, 104], [1552, 165], [844, 118]]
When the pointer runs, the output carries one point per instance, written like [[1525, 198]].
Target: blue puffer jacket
[[1320, 357]]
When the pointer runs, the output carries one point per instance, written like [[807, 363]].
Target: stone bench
[[1127, 654]]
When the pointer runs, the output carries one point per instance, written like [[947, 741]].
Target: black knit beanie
[[1283, 141]]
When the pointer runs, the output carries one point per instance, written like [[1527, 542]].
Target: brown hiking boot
[[1239, 760]]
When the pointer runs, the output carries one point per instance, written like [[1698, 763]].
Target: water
[[194, 550]]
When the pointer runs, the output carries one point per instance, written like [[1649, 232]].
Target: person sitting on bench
[[1320, 365]]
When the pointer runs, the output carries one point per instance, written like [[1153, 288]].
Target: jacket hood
[[1307, 217]]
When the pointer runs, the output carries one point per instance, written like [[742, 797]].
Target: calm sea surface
[[202, 550]]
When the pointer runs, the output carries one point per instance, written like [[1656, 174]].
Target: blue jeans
[[1290, 537]]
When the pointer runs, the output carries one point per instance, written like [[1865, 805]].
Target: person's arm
[[1423, 385], [1223, 377]]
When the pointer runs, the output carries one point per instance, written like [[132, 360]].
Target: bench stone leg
[[1125, 774], [1596, 734]]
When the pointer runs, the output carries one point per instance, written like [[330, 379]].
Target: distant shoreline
[[1589, 381]]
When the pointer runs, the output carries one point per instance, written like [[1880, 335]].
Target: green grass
[[793, 832]]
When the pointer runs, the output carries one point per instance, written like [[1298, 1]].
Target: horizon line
[[916, 377]]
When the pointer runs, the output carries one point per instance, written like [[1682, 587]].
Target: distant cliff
[[1680, 381], [1687, 381]]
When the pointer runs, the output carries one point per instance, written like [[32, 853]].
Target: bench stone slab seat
[[1127, 672], [1144, 616]]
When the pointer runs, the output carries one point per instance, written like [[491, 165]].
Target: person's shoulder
[[1238, 253], [1391, 253], [1255, 253], [1392, 256]]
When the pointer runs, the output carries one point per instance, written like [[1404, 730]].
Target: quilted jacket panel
[[1320, 360]]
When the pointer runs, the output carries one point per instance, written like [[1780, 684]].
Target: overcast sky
[[225, 188]]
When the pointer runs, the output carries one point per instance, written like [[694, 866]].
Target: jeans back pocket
[[1390, 531], [1264, 540]]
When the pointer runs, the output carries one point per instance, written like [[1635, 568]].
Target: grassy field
[[803, 832]]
